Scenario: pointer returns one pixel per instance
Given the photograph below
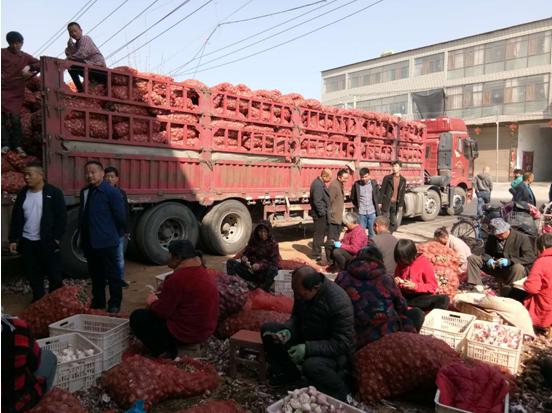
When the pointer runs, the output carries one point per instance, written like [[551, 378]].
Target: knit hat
[[499, 226]]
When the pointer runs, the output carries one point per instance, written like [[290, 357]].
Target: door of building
[[527, 161]]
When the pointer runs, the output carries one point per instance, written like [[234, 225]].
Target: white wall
[[537, 138]]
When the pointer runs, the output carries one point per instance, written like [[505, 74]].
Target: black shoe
[[114, 310], [125, 284]]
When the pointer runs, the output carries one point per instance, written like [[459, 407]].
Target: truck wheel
[[226, 228], [458, 202], [72, 257], [161, 225], [431, 205]]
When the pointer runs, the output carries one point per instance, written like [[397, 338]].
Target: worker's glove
[[337, 244], [503, 262], [297, 353], [491, 262], [283, 336]]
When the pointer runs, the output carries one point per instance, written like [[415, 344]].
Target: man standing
[[14, 76], [524, 193], [319, 336], [365, 198], [385, 242], [37, 225], [508, 256], [102, 219], [319, 203], [393, 188], [112, 178], [482, 186], [337, 207]]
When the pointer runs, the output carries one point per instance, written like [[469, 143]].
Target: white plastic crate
[[277, 407], [441, 408], [108, 333], [449, 326], [505, 357], [282, 283], [79, 374]]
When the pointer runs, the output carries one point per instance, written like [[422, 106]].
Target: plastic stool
[[242, 344]]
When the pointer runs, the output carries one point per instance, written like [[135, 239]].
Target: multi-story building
[[497, 81]]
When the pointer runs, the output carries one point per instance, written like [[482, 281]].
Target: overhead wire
[[292, 39], [262, 16], [164, 31], [107, 17]]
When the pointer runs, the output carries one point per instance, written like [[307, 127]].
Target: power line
[[149, 28], [251, 36], [128, 23], [275, 13], [108, 16], [165, 31], [294, 38], [58, 33]]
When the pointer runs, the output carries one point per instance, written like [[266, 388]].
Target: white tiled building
[[503, 76]]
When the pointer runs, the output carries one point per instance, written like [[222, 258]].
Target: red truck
[[200, 162]]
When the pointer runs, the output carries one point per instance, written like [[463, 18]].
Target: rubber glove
[[297, 353], [337, 244], [503, 262], [491, 262]]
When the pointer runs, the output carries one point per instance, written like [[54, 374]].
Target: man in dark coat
[[319, 336], [393, 188], [337, 208], [365, 198], [319, 203], [508, 256], [38, 222], [523, 192]]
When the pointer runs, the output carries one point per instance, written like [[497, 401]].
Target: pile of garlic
[[309, 400], [71, 354]]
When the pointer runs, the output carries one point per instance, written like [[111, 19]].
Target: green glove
[[283, 336], [297, 353]]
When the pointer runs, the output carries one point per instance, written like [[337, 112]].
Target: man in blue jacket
[[102, 218]]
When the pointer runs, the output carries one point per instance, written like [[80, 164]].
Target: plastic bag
[[138, 407]]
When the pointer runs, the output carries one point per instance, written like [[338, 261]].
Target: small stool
[[243, 343]]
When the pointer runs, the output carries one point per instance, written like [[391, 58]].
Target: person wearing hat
[[17, 67], [508, 256], [186, 309]]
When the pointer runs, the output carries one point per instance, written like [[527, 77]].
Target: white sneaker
[[5, 149]]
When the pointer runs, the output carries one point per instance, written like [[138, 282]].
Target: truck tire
[[72, 257], [226, 228], [458, 202], [162, 224], [431, 205]]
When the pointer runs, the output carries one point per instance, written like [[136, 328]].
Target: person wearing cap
[[508, 256], [186, 309], [17, 67]]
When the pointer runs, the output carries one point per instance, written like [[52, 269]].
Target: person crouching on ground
[[353, 241], [442, 236], [318, 336], [416, 278], [186, 309], [258, 263], [378, 304]]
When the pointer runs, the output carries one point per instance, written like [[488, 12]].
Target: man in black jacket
[[523, 192], [38, 222], [365, 198], [320, 203], [393, 188], [508, 256], [319, 336]]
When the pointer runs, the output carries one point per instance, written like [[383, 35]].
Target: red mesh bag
[[215, 406], [194, 84], [179, 118], [18, 162], [153, 380], [59, 304], [291, 264], [233, 293], [261, 300], [400, 363], [130, 109], [248, 320], [6, 165], [12, 182], [446, 265], [58, 401], [75, 126]]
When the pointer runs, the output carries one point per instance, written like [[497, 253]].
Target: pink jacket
[[354, 240], [419, 272], [539, 285]]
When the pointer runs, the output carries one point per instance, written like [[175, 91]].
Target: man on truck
[[393, 188], [320, 204]]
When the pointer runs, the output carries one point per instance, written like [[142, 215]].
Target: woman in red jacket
[[353, 241], [539, 285], [416, 278]]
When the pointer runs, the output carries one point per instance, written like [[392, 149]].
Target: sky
[[384, 25]]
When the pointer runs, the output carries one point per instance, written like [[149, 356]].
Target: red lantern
[[550, 123], [513, 128], [478, 130]]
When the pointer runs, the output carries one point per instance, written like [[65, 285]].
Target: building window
[[334, 83], [381, 74], [429, 64], [391, 104]]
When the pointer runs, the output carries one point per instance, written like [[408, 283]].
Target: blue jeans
[[121, 257], [367, 222], [483, 198]]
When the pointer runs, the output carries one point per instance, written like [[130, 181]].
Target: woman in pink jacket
[[415, 277], [353, 241], [539, 285]]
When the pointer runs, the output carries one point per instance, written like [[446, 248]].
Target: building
[[500, 76]]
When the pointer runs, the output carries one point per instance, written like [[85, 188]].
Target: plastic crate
[[277, 407], [479, 313], [79, 374], [108, 333], [441, 408], [449, 326], [282, 283], [504, 357]]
